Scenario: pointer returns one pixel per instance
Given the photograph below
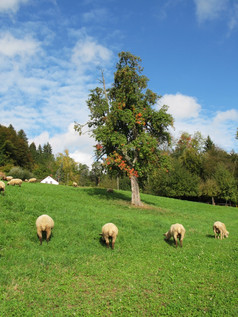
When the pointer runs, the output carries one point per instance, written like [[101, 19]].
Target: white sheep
[[8, 178], [2, 187], [15, 181], [44, 223], [32, 180], [176, 231], [220, 228], [75, 184], [109, 231]]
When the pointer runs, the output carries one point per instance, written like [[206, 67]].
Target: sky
[[52, 53]]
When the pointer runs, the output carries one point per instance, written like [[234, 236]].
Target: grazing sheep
[[44, 223], [176, 231], [15, 181], [75, 184], [220, 228], [8, 178], [110, 190], [2, 187], [109, 230], [32, 180]]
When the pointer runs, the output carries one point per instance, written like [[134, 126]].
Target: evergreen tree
[[209, 145]]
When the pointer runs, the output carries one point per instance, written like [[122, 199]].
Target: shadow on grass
[[172, 244], [103, 243], [210, 236], [102, 192], [44, 236], [115, 195]]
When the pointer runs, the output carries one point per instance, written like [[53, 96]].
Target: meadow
[[76, 275]]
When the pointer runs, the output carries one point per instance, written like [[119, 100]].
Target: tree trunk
[[118, 183], [135, 192], [213, 201]]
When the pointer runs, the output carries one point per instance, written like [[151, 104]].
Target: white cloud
[[188, 114], [97, 15], [181, 106], [80, 147], [48, 86], [41, 139], [209, 9], [233, 22], [226, 116], [11, 5], [82, 157], [88, 53], [11, 46]]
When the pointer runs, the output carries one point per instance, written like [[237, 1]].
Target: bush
[[18, 172], [6, 168]]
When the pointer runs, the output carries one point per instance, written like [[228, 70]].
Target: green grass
[[76, 275]]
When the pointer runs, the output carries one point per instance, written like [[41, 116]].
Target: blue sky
[[51, 53]]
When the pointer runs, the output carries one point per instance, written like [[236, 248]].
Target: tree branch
[[104, 87]]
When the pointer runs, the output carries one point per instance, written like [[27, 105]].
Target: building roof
[[49, 180]]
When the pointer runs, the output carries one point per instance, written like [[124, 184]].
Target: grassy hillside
[[76, 275]]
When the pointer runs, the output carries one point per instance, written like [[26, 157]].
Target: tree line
[[195, 169], [198, 170]]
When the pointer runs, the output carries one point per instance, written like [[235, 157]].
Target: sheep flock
[[109, 232]]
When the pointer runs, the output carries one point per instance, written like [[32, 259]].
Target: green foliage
[[226, 182], [18, 172], [209, 189], [76, 275], [189, 152], [14, 147], [66, 167], [96, 173], [82, 176], [177, 182], [211, 160], [123, 121], [14, 151], [209, 144]]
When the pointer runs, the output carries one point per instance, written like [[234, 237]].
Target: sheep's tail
[[44, 227]]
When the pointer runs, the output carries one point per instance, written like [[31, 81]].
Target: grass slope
[[76, 275]]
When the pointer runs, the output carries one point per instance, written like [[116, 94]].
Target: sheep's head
[[226, 234], [167, 235]]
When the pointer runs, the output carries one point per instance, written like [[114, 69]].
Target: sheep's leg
[[107, 241], [215, 233], [39, 233], [113, 242], [181, 243], [175, 240], [48, 232]]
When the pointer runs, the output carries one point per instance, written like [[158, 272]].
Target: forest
[[194, 168]]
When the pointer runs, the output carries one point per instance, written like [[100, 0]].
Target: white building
[[49, 180]]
